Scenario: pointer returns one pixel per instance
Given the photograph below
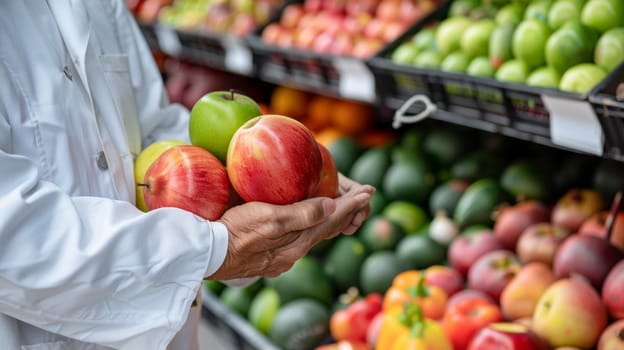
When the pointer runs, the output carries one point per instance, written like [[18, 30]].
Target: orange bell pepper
[[405, 328], [411, 287]]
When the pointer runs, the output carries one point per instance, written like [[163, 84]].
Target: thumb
[[305, 214]]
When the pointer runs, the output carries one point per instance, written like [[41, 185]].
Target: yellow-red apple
[[613, 291], [576, 206], [513, 220], [274, 159], [466, 249], [613, 337], [570, 313], [506, 336], [521, 295], [190, 178], [540, 242], [144, 160], [596, 226]]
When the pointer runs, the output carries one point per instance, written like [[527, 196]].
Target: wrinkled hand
[[266, 239]]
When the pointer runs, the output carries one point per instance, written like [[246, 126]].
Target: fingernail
[[329, 206], [363, 197]]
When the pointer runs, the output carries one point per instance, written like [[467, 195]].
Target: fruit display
[[344, 28], [561, 44], [502, 280], [236, 17]]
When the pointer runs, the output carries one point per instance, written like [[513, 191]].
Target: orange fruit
[[319, 112], [289, 102], [377, 138], [352, 118], [327, 136]]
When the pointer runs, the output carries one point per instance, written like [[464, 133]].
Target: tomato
[[351, 323], [465, 319]]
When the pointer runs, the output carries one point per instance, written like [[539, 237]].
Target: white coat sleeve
[[95, 269]]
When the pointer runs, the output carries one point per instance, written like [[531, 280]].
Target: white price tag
[[168, 40], [238, 57], [574, 124], [356, 80]]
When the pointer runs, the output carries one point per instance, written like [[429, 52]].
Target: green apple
[[143, 162], [544, 77], [513, 71], [582, 77], [428, 59], [405, 54], [450, 32], [476, 38], [538, 10], [500, 49], [510, 14], [603, 15], [609, 51], [215, 118], [529, 41], [462, 7], [480, 67], [570, 45], [424, 39], [455, 62], [563, 11]]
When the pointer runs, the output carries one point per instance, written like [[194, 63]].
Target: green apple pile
[[569, 45]]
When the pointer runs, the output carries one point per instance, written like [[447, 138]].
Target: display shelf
[[236, 331], [514, 110]]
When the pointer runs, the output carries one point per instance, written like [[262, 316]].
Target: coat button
[[101, 161], [68, 72]]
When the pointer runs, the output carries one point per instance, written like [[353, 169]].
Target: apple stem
[[615, 207], [232, 94]]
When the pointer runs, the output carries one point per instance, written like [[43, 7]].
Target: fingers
[[302, 215]]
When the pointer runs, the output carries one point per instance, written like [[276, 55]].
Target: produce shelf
[[607, 99], [234, 329]]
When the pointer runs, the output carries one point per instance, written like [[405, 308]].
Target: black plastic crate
[[508, 105], [234, 329], [607, 100]]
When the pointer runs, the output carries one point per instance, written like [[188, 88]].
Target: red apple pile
[[553, 273], [270, 158], [356, 28]]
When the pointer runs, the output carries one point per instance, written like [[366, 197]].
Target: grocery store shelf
[[513, 110]]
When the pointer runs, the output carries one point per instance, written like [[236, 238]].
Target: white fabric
[[80, 266]]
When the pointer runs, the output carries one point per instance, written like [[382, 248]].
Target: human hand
[[266, 239]]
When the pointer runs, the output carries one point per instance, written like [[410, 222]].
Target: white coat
[[80, 266]]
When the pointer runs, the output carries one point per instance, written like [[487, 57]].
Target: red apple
[[570, 313], [468, 294], [612, 338], [588, 256], [274, 159], [506, 336], [392, 31], [271, 33], [365, 48], [540, 242], [468, 248], [389, 10], [292, 15], [375, 28], [613, 291], [324, 43], [343, 45], [595, 226], [305, 38], [513, 220], [313, 5], [575, 207], [493, 271], [190, 178], [521, 295], [244, 23], [328, 183], [445, 277]]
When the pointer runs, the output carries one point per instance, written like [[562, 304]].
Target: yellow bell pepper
[[405, 328]]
